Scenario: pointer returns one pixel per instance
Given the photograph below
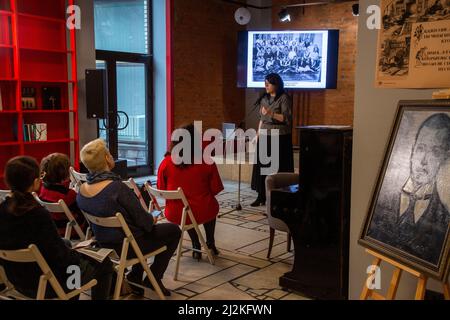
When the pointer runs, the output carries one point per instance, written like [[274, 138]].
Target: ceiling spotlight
[[355, 10], [284, 15]]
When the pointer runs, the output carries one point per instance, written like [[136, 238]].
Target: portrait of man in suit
[[415, 218]]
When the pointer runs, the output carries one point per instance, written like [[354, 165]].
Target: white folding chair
[[61, 207], [30, 255], [154, 204], [76, 179], [130, 183], [4, 194], [179, 195], [119, 222]]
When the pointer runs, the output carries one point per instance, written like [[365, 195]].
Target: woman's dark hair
[[20, 174], [276, 80], [190, 128], [56, 168]]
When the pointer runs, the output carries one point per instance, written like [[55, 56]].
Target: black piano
[[317, 211]]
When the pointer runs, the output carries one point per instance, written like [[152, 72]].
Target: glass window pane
[[102, 134], [121, 25], [131, 99]]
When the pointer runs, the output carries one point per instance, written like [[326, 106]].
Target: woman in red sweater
[[200, 183]]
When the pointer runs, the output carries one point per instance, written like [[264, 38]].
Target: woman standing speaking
[[275, 113]]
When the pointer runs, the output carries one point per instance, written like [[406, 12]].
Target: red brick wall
[[333, 107], [205, 63], [205, 58]]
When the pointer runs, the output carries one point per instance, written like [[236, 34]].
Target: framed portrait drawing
[[409, 214]]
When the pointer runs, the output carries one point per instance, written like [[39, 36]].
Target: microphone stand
[[238, 206]]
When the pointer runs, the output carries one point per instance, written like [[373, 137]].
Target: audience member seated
[[104, 195], [200, 183], [55, 187], [24, 222]]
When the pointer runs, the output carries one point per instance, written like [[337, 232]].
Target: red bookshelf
[[37, 65]]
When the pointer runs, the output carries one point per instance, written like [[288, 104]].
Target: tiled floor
[[242, 271]]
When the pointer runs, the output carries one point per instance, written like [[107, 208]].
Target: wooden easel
[[442, 94], [392, 291]]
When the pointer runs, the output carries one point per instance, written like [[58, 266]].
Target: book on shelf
[[41, 131], [1, 101], [35, 132], [99, 254], [15, 131], [26, 135], [28, 98], [51, 98]]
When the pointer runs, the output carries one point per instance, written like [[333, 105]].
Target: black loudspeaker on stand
[[96, 92]]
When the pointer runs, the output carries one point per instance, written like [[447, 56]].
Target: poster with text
[[414, 44]]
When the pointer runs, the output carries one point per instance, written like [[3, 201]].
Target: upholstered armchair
[[275, 181]]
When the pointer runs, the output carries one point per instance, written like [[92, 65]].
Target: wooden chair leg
[[272, 237], [88, 234], [68, 233], [42, 288], [289, 240], [200, 238], [204, 245], [4, 279], [178, 257], [119, 281], [152, 280], [180, 244]]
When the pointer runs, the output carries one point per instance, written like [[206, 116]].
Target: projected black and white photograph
[[296, 56], [410, 210]]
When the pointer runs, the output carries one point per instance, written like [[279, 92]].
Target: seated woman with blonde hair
[[104, 195]]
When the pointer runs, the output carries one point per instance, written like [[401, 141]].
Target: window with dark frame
[[124, 48]]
